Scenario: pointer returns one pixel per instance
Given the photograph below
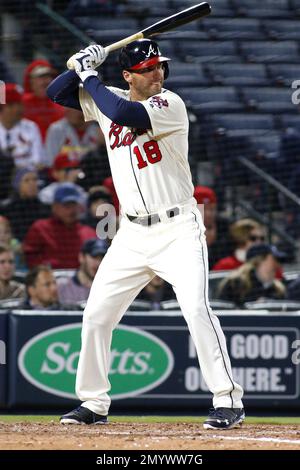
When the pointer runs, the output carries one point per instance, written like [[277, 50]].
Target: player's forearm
[[119, 110], [64, 89]]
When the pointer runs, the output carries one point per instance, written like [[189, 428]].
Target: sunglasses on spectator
[[256, 238]]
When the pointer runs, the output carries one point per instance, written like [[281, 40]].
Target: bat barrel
[[183, 17]]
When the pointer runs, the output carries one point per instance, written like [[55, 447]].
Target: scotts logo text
[[139, 361]]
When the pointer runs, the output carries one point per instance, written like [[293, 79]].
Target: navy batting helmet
[[142, 54]]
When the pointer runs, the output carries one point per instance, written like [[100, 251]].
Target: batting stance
[[161, 230]]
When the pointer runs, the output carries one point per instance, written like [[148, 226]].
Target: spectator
[[8, 287], [65, 169], [37, 106], [20, 138], [57, 240], [255, 279], [156, 291], [97, 196], [95, 166], [244, 233], [71, 135], [24, 207], [41, 290], [7, 239], [216, 226], [78, 287]]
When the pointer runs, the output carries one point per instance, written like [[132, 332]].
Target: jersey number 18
[[152, 152]]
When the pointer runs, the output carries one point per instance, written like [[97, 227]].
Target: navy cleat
[[82, 415], [224, 418]]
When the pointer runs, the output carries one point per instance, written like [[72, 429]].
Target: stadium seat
[[274, 305], [265, 9], [282, 29], [290, 121], [295, 6], [209, 51], [169, 305], [238, 74], [184, 35], [233, 28], [222, 305], [97, 24], [211, 99], [270, 51], [192, 26], [284, 74], [140, 305], [11, 304], [108, 36], [244, 123], [269, 99], [224, 4], [268, 144], [185, 74], [155, 7], [154, 3], [221, 8]]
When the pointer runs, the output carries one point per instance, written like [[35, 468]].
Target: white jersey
[[23, 143], [149, 167]]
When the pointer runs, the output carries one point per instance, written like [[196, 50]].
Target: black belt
[[152, 219]]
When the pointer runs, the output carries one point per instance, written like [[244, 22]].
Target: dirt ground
[[140, 436]]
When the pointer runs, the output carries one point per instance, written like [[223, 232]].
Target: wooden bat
[[167, 24]]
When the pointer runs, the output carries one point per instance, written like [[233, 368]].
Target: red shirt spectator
[[228, 263], [37, 106], [57, 240]]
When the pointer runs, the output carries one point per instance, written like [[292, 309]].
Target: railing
[[57, 18], [267, 220]]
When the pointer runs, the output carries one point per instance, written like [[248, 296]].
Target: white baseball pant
[[174, 249]]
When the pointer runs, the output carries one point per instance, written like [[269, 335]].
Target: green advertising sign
[[139, 361]]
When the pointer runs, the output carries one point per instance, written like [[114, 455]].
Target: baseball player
[[161, 230]]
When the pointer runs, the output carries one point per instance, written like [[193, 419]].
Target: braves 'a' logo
[[152, 51], [158, 102]]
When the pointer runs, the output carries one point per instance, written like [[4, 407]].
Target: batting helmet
[[142, 54]]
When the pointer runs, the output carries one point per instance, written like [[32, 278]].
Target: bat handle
[[112, 47]]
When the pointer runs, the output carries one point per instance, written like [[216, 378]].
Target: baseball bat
[[167, 24]]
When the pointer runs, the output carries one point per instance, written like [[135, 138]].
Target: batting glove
[[84, 65], [97, 52]]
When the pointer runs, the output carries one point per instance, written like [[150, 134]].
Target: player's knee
[[100, 316]]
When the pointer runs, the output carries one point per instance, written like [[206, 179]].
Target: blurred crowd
[[54, 175]]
